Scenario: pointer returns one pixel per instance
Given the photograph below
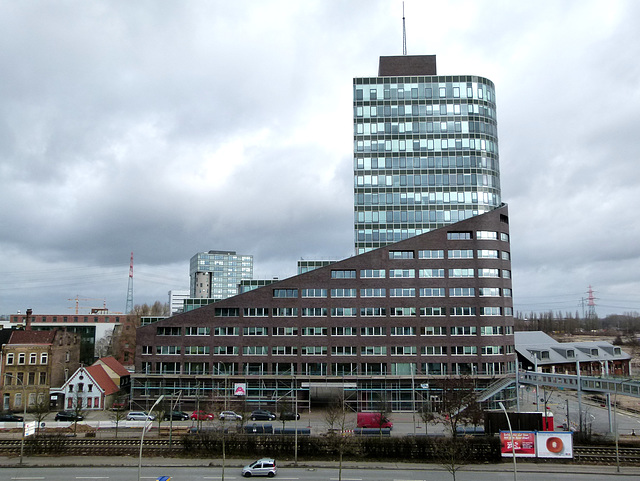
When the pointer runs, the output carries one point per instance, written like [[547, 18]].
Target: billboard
[[523, 441], [555, 444], [240, 389]]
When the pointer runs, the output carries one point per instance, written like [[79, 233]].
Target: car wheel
[[271, 474], [246, 475]]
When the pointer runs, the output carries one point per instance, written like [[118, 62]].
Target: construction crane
[[78, 299]]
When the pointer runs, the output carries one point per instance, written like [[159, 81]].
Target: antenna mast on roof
[[404, 33]]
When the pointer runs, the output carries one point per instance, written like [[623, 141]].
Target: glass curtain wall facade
[[217, 274], [425, 153]]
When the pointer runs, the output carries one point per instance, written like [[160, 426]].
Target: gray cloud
[[172, 128]]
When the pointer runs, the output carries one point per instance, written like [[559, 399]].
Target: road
[[295, 474]]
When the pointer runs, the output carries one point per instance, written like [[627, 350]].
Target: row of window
[[416, 126], [18, 379], [423, 90], [426, 273], [21, 357], [324, 369], [382, 292], [409, 144], [347, 350], [454, 179], [336, 331], [433, 109], [362, 162]]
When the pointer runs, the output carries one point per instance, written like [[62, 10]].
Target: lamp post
[[24, 412], [144, 429], [615, 420], [513, 444]]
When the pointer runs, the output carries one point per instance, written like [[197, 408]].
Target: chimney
[[27, 326]]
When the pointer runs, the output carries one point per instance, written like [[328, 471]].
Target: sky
[[176, 127]]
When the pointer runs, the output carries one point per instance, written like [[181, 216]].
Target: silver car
[[261, 467], [140, 416], [230, 416]]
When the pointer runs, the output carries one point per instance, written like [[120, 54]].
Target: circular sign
[[555, 445]]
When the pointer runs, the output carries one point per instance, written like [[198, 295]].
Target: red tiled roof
[[32, 337], [115, 366], [101, 377]]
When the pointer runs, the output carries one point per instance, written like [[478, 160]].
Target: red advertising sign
[[523, 442]]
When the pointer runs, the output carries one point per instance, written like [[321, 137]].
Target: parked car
[[140, 416], [68, 416], [10, 418], [230, 416], [289, 416], [262, 415], [202, 416], [176, 416], [261, 467]]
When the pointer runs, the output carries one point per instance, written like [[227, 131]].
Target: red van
[[373, 420]]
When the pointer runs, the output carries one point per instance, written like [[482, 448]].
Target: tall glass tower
[[425, 150], [217, 274]]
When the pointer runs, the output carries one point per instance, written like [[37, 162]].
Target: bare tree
[[452, 454], [41, 407], [458, 404], [117, 414], [336, 418]]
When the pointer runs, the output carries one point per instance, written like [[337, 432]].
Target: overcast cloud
[[175, 127]]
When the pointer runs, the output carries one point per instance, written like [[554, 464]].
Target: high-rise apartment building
[[425, 150], [217, 274]]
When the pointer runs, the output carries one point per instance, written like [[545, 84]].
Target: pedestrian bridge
[[604, 385]]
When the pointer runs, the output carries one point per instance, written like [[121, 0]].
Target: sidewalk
[[236, 464]]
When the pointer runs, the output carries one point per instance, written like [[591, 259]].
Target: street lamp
[[513, 443], [144, 429], [24, 414]]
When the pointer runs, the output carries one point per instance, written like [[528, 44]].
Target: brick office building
[[389, 322]]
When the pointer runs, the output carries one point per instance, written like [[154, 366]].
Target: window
[[314, 331], [372, 273], [400, 254], [433, 350], [431, 254], [226, 312], [488, 272], [464, 350], [255, 331], [460, 254], [431, 273], [373, 351], [504, 237], [459, 235], [314, 293], [43, 378], [146, 350], [344, 351], [31, 378], [373, 331], [285, 293], [314, 350], [225, 350], [373, 311], [168, 350], [285, 331], [402, 292], [33, 358], [373, 292], [225, 331], [403, 350], [21, 357], [343, 274], [489, 292], [432, 311], [506, 274], [197, 331], [462, 311], [344, 311], [168, 331], [344, 292], [462, 292], [505, 256], [255, 350], [403, 331], [463, 330], [196, 350], [433, 331], [486, 235], [405, 273], [432, 292], [461, 273], [491, 330], [285, 312], [284, 351], [403, 311], [10, 357], [487, 254], [256, 312], [343, 331], [314, 311]]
